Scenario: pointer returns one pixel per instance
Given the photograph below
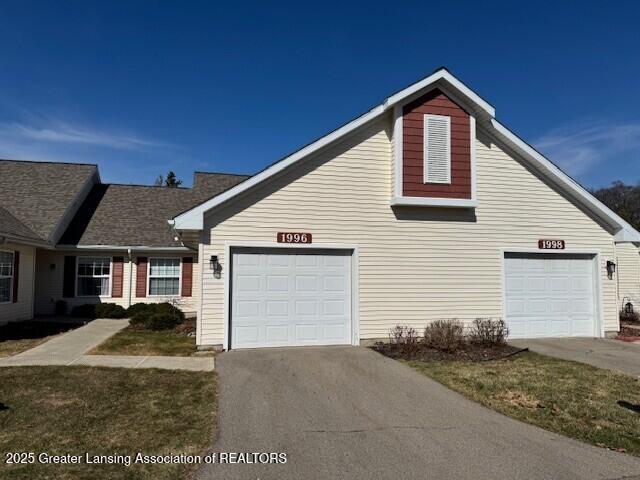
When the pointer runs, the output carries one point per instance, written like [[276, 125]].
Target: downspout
[[130, 276]]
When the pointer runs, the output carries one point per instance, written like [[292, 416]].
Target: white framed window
[[437, 149], [164, 277], [6, 276], [93, 277]]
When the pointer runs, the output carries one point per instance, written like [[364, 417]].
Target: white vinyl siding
[[164, 277], [93, 277], [437, 149], [628, 273], [415, 265], [6, 276]]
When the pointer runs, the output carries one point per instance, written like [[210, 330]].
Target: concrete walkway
[[70, 349], [599, 352]]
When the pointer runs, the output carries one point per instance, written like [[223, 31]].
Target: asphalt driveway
[[599, 352], [351, 413]]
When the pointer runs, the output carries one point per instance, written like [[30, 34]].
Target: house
[[67, 237], [425, 207]]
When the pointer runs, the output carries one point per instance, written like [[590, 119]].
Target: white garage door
[[284, 298], [550, 295]]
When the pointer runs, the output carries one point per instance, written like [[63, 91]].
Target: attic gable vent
[[437, 149]]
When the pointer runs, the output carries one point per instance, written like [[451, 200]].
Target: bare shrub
[[403, 339], [444, 335], [629, 317], [488, 332]]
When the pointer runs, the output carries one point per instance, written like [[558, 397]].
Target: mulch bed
[[469, 353], [34, 329], [187, 327]]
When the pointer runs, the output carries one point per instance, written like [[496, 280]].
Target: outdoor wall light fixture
[[215, 266], [611, 268]]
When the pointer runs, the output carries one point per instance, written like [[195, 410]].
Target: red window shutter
[[16, 275], [69, 277], [141, 277], [187, 276], [117, 277]]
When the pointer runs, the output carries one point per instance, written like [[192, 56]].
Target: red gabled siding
[[437, 103]]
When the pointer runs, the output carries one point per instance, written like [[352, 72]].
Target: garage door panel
[[515, 284], [247, 283], [277, 333], [307, 307], [277, 283], [536, 305], [334, 283], [560, 284], [307, 261], [276, 308], [306, 283], [515, 306], [306, 332], [536, 284], [247, 308], [549, 295], [334, 307], [304, 298], [560, 306], [247, 333]]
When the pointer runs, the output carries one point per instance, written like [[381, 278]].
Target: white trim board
[[480, 111], [355, 296], [13, 275]]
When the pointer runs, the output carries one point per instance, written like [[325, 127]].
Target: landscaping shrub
[[629, 317], [488, 332], [87, 310], [110, 310], [148, 316], [61, 307], [140, 308], [404, 339], [161, 321], [170, 309], [444, 335]]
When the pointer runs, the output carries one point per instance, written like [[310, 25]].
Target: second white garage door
[[550, 295], [290, 298]]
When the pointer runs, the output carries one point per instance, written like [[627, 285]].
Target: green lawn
[[569, 398], [73, 410], [144, 342], [13, 347]]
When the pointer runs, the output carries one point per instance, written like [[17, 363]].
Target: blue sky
[[144, 87]]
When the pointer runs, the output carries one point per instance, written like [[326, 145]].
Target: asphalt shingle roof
[[135, 215], [11, 226], [37, 194]]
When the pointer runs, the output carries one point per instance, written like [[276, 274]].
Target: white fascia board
[[626, 232], [434, 202], [446, 76], [193, 219], [626, 236]]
